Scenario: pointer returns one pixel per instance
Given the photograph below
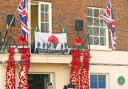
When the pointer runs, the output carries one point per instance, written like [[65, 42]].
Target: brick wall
[[65, 12], [8, 7]]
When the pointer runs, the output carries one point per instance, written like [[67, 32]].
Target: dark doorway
[[38, 81]]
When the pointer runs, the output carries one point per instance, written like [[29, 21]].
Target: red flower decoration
[[25, 65], [75, 66], [10, 70], [78, 41], [11, 51], [53, 39], [22, 40]]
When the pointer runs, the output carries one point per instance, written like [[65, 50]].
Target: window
[[97, 28], [39, 81], [44, 18], [98, 81], [11, 20]]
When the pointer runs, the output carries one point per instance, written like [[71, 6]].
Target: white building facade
[[108, 69]]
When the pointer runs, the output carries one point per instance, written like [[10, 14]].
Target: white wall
[[59, 65], [2, 76], [113, 63], [113, 73], [60, 71]]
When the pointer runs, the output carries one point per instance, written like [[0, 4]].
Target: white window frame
[[107, 83], [29, 19], [100, 47], [50, 15]]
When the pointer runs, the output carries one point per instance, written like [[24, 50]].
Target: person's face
[[50, 87]]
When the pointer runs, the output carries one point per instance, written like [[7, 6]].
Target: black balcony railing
[[5, 42]]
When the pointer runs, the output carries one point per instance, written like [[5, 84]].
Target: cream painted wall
[[2, 76], [60, 71], [113, 73], [59, 66]]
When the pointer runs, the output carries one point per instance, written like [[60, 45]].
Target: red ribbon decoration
[[10, 73], [25, 64]]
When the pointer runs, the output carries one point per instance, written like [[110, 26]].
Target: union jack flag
[[23, 15], [109, 19]]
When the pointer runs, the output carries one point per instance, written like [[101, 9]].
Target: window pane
[[47, 27], [96, 31], [96, 12], [102, 32], [101, 81], [93, 81], [102, 41], [46, 8], [42, 16], [90, 31], [90, 12], [102, 11], [90, 20], [43, 27], [42, 8], [102, 23], [91, 40], [96, 22], [46, 17], [96, 41]]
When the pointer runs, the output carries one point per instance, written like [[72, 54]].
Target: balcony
[[55, 43], [42, 43]]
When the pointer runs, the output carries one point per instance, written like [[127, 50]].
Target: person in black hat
[[50, 86], [71, 86], [65, 87]]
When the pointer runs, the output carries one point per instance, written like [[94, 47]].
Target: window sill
[[102, 48]]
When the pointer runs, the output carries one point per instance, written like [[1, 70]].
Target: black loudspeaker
[[79, 25], [9, 19]]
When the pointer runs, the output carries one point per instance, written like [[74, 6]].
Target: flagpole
[[8, 28]]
